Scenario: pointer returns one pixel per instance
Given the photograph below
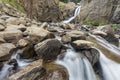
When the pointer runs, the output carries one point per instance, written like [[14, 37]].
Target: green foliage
[[93, 23], [115, 27], [62, 5], [15, 4]]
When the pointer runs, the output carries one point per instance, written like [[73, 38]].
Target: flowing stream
[[110, 68], [78, 66], [5, 71]]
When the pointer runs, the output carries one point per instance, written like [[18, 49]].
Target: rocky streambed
[[38, 45]]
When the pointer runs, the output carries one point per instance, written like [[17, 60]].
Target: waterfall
[[77, 11], [110, 69], [78, 66]]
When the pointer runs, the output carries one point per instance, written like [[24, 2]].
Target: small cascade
[[21, 62], [90, 75], [5, 71], [110, 69], [106, 44], [78, 66], [77, 11], [8, 69]]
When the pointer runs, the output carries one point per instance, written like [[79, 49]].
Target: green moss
[[15, 4], [62, 5], [115, 27], [93, 23]]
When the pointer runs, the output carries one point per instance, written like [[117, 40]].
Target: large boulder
[[38, 34], [6, 50], [110, 37], [11, 35], [48, 49], [98, 10], [92, 55], [82, 44], [55, 72], [31, 72], [73, 35]]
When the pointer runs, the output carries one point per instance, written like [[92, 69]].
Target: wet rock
[[14, 65], [13, 62], [55, 72], [110, 37], [31, 72], [6, 51], [27, 52], [11, 35], [92, 55], [48, 49], [38, 34], [26, 49], [1, 64], [82, 44], [76, 35]]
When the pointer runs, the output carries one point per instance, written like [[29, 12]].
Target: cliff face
[[99, 10], [41, 10]]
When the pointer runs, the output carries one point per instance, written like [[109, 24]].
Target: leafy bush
[[92, 23], [15, 4]]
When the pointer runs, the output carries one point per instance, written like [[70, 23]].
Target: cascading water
[[5, 71], [110, 69], [78, 66], [21, 62], [77, 11], [107, 45]]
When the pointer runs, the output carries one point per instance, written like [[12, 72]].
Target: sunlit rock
[[6, 51]]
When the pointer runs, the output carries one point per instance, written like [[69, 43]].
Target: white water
[[21, 62], [78, 67], [110, 69], [77, 11], [107, 45], [4, 73]]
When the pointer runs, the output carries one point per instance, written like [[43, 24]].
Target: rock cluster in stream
[[42, 42]]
